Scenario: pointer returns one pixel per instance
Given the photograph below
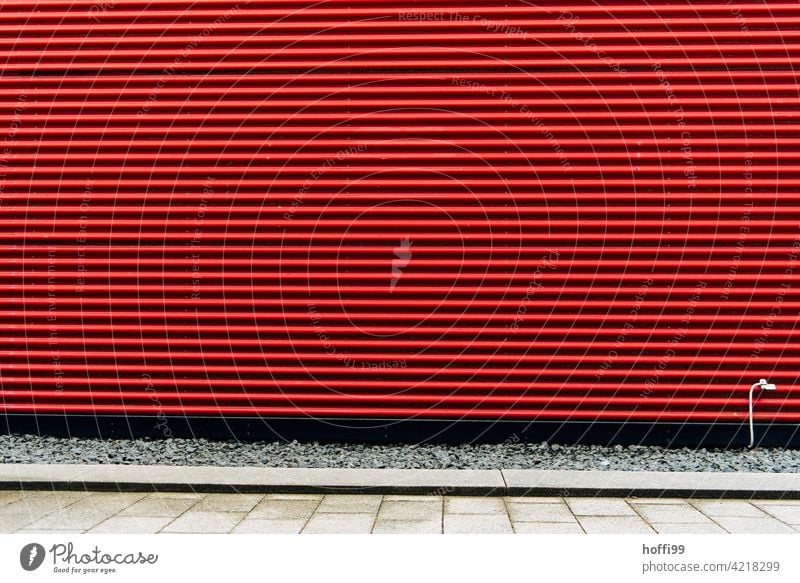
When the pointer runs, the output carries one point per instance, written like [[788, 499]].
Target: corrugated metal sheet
[[432, 209]]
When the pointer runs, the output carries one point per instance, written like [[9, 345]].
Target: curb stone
[[394, 481]]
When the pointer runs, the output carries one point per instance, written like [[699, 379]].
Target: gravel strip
[[193, 452]]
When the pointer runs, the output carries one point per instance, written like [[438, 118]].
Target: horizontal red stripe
[[472, 344], [489, 413], [345, 127], [426, 112], [445, 358], [525, 328], [307, 290], [422, 7], [327, 384], [410, 370], [456, 276], [544, 222], [403, 207], [486, 400], [779, 248]]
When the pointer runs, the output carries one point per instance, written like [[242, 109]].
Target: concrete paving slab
[[687, 528], [473, 505], [344, 504], [534, 499], [340, 524], [37, 506], [670, 513], [614, 525], [79, 519], [267, 526], [131, 525], [12, 522], [284, 509], [316, 497], [753, 525], [204, 522], [477, 524], [407, 527], [108, 501], [178, 495], [410, 510], [716, 508], [783, 512], [64, 531], [659, 501], [229, 502], [410, 498], [547, 528], [539, 512], [74, 494], [8, 497], [600, 507], [156, 507]]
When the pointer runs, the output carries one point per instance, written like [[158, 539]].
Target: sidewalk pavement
[[68, 512], [62, 498]]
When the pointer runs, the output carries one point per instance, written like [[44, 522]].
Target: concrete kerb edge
[[411, 482]]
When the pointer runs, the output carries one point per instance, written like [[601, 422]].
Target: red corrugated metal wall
[[426, 209]]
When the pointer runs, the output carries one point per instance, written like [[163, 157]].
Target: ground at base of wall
[[35, 449]]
